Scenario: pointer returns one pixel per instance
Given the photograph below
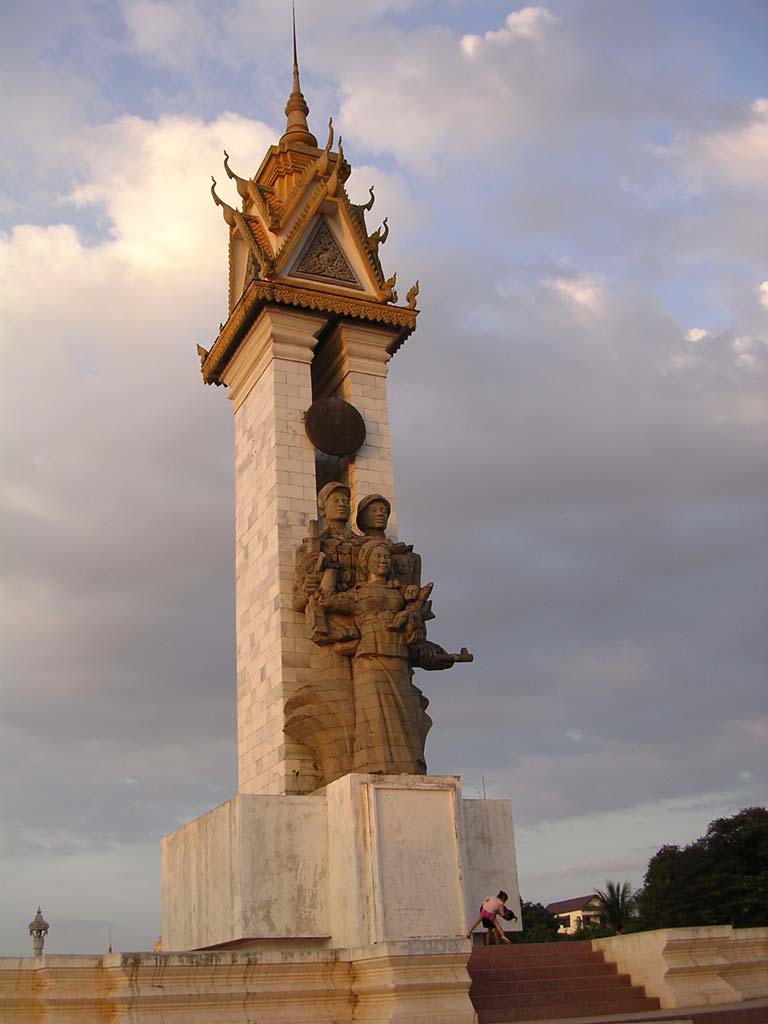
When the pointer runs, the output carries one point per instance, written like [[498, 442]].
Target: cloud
[[696, 334], [548, 877], [172, 33], [529, 23], [584, 289], [738, 154], [575, 734], [750, 352], [600, 867]]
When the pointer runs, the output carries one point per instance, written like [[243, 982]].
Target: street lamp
[[38, 929]]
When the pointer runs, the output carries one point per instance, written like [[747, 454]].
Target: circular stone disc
[[334, 426]]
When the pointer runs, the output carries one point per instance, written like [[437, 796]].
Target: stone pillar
[[270, 387], [353, 365]]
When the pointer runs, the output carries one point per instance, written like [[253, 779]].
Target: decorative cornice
[[259, 294], [276, 334]]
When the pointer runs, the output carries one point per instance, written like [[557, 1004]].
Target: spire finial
[[296, 86], [296, 109]]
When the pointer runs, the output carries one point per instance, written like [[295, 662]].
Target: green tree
[[617, 906], [722, 878], [538, 924]]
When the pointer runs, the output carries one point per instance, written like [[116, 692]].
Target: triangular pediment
[[298, 225], [321, 259]]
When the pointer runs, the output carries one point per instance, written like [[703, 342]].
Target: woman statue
[[372, 718], [387, 715]]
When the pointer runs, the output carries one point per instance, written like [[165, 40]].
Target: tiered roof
[[298, 240]]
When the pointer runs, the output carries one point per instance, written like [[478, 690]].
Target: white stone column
[[355, 367], [270, 387]]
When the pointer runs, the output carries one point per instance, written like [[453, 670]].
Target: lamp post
[[38, 929]]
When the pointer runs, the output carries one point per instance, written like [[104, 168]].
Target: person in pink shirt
[[490, 908]]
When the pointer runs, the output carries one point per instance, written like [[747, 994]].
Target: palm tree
[[617, 905]]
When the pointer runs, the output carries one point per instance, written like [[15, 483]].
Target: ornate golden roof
[[298, 240]]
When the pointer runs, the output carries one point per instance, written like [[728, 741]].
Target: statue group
[[366, 612]]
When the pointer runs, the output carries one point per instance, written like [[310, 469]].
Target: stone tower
[[338, 844], [311, 315]]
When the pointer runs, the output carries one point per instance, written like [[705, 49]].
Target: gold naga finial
[[202, 352], [390, 295], [242, 183], [296, 109], [226, 209], [369, 205], [379, 236], [324, 158], [334, 180], [410, 295]]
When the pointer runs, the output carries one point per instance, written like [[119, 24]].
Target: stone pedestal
[[369, 861], [398, 985]]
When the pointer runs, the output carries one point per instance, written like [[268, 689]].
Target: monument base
[[367, 861], [218, 987]]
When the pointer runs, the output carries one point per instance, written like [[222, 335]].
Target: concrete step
[[595, 1010], [539, 950], [502, 983], [754, 1011], [543, 972], [549, 980]]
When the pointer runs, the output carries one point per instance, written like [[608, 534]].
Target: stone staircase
[[549, 981]]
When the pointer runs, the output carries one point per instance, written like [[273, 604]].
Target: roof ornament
[[390, 295], [379, 236], [296, 109], [369, 205], [242, 183], [324, 158], [333, 181], [226, 209], [410, 295]]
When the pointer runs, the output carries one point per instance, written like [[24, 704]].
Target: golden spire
[[296, 109]]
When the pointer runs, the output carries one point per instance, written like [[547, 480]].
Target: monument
[[337, 885], [338, 845]]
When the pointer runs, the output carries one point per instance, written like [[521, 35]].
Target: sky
[[578, 424]]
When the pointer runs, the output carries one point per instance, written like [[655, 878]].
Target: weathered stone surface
[[421, 983], [693, 966], [368, 859], [270, 386], [256, 866]]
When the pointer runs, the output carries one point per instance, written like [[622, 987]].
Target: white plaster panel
[[419, 873], [255, 867]]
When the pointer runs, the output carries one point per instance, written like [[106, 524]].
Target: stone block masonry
[[353, 364], [272, 382], [270, 388]]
